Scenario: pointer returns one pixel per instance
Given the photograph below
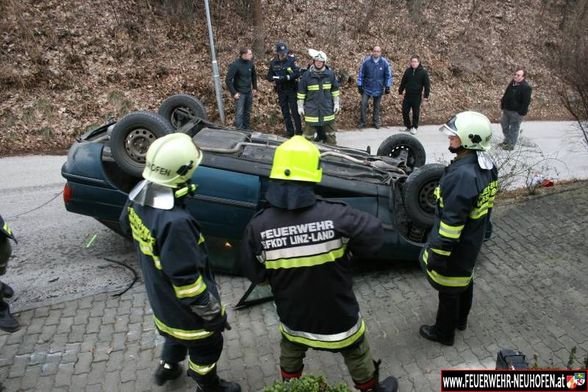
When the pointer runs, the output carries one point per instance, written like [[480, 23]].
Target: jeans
[[364, 106], [243, 110], [454, 308], [413, 103], [287, 101], [510, 123]]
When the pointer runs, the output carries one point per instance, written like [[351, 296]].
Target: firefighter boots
[[213, 383], [390, 384], [6, 291], [7, 321], [167, 371]]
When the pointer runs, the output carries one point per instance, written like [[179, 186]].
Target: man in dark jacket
[[303, 247], [374, 79], [318, 99], [7, 321], [172, 252], [414, 80], [241, 81], [515, 105], [284, 72], [465, 197]]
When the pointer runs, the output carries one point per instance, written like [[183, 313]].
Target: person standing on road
[[465, 197], [414, 81], [241, 81], [284, 72], [174, 259], [303, 245], [515, 105], [7, 321], [374, 79], [318, 99]]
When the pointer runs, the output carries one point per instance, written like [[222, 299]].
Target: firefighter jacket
[[305, 255], [465, 197], [318, 91], [174, 261], [5, 231], [284, 73]]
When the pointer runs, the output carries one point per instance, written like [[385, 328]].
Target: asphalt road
[[62, 255], [52, 260]]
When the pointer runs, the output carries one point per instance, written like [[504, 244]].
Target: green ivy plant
[[307, 383]]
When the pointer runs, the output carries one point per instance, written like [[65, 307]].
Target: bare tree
[[573, 66], [258, 30]]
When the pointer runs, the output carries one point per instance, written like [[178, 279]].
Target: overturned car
[[395, 185]]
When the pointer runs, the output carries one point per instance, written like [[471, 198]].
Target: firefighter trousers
[[454, 308], [324, 133], [202, 358], [358, 359]]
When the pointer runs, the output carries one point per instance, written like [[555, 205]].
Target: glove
[[360, 89], [278, 77], [217, 324], [301, 110], [387, 90], [337, 108], [436, 262]]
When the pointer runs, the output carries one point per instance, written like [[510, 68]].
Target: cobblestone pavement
[[530, 294]]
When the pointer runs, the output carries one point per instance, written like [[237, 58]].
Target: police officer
[[172, 251], [7, 321], [302, 245], [465, 197], [284, 72], [318, 99]]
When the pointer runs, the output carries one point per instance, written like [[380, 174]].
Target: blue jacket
[[374, 77]]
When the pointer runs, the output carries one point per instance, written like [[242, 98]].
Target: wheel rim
[[427, 199], [137, 142], [403, 152], [178, 116]]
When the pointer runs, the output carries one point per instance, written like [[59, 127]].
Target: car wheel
[[406, 147], [181, 108], [419, 194], [132, 136]]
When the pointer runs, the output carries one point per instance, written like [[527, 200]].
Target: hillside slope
[[68, 65]]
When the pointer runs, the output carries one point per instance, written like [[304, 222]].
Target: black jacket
[[465, 197], [284, 73], [414, 81], [174, 260], [517, 98], [241, 77], [305, 255]]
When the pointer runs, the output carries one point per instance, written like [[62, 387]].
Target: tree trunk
[[258, 31]]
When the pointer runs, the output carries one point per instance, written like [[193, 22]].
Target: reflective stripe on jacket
[[174, 261], [305, 254], [465, 198], [317, 90], [5, 230]]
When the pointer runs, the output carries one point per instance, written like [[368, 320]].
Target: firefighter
[[284, 72], [174, 259], [7, 321], [465, 197], [318, 99], [303, 245]]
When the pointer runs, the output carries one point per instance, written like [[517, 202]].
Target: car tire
[[400, 144], [419, 194], [171, 109], [132, 136]]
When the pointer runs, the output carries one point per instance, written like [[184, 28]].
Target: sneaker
[[361, 125], [167, 371], [507, 147], [377, 125], [413, 131], [405, 130]]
